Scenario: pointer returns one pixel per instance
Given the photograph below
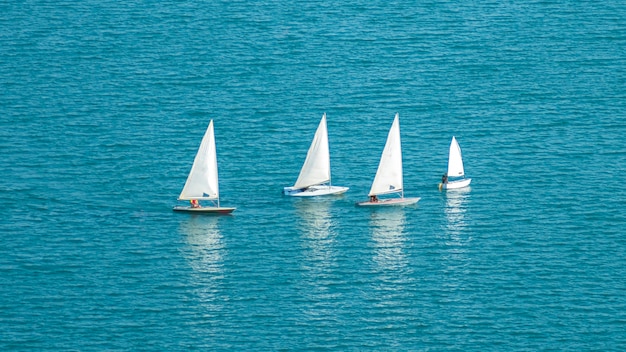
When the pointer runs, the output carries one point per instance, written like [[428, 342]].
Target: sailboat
[[389, 178], [202, 183], [314, 178], [455, 177]]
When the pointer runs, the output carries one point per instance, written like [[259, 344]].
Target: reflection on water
[[205, 254], [392, 283], [457, 239], [389, 240], [318, 265], [316, 228], [205, 244], [456, 207]]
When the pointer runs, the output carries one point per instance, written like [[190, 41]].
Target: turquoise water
[[103, 105]]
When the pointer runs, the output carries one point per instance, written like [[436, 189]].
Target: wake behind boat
[[455, 177], [389, 176], [314, 178], [202, 181]]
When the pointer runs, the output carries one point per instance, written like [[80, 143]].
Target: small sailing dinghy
[[202, 183], [455, 177], [389, 178], [314, 178]]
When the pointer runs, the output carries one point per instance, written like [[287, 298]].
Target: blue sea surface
[[103, 105]]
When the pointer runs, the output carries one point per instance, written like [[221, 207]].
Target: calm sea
[[103, 105]]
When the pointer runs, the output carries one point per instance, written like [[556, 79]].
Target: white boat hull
[[314, 191], [205, 210], [456, 184], [390, 202]]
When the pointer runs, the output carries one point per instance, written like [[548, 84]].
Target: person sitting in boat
[[444, 178], [194, 203], [373, 199]]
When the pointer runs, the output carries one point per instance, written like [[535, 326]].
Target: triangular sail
[[202, 180], [316, 167], [455, 160], [389, 174]]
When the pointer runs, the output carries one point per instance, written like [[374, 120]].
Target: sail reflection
[[389, 240], [205, 243], [318, 267], [457, 239], [316, 227], [205, 254], [455, 210]]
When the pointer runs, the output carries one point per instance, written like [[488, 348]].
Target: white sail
[[202, 180], [316, 167], [455, 160], [389, 174]]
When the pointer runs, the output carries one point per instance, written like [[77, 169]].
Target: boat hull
[[390, 202], [455, 184], [314, 191], [204, 210]]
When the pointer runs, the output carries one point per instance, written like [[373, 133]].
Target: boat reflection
[[456, 255], [317, 231], [456, 207], [389, 240], [319, 263], [205, 254], [206, 248]]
